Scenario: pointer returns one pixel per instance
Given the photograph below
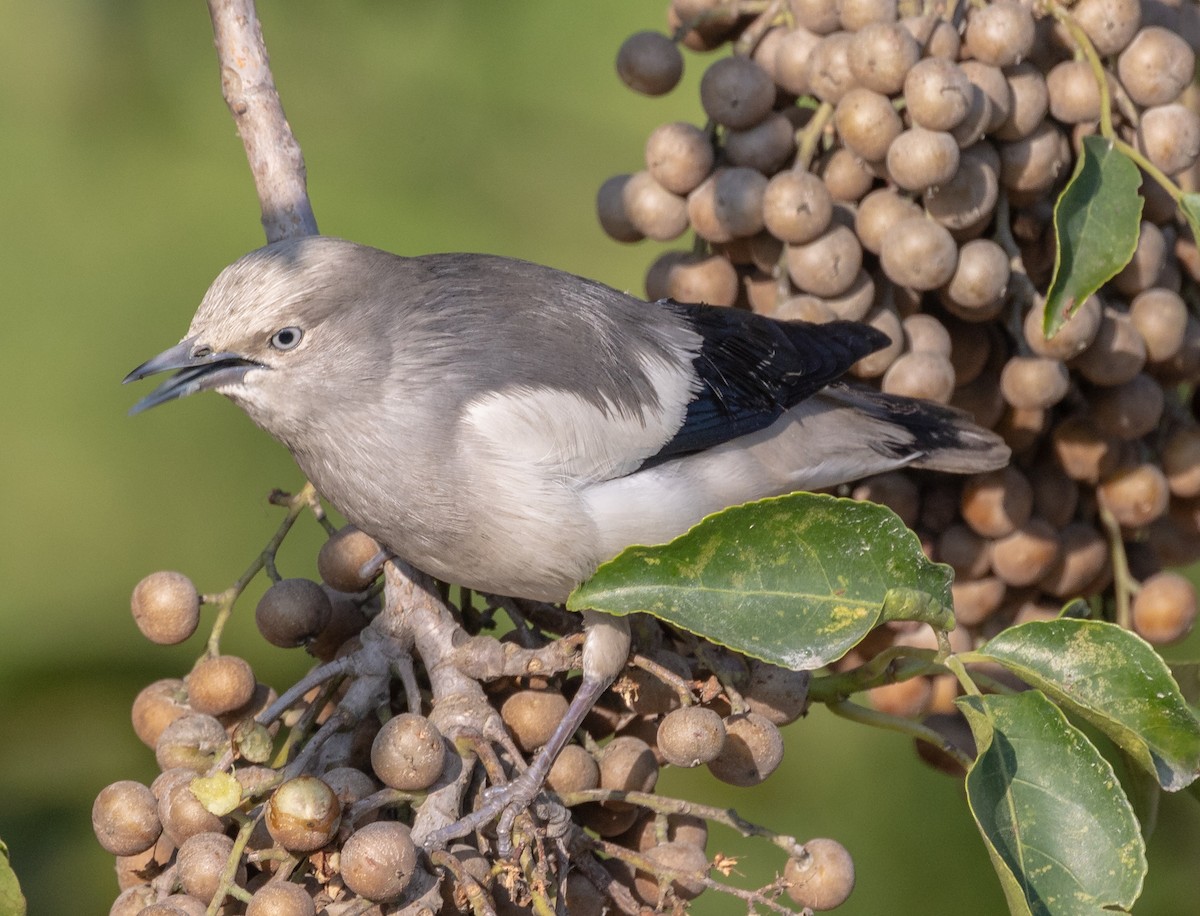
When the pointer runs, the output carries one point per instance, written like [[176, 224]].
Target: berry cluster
[[862, 163], [313, 800]]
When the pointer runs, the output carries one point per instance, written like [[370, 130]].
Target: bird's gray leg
[[374, 566], [605, 651]]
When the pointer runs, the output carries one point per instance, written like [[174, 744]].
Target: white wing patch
[[571, 439]]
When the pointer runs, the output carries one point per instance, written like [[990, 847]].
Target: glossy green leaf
[[1114, 680], [796, 580], [1096, 221], [1059, 830], [12, 901]]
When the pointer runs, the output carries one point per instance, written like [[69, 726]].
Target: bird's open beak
[[195, 373]]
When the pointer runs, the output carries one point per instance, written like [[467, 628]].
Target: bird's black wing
[[752, 369]]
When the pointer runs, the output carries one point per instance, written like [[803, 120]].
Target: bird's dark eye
[[201, 351], [286, 338]]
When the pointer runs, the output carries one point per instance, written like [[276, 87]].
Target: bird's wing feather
[[753, 369]]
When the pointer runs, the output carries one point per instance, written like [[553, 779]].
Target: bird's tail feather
[[943, 438]]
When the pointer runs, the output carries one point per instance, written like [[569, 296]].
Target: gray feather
[[492, 421]]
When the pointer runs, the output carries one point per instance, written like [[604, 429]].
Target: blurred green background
[[427, 126]]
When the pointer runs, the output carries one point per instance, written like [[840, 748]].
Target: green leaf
[[12, 901], [1114, 680], [1096, 221], [1189, 205], [795, 580], [1059, 830]]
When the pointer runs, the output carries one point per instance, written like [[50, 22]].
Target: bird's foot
[[374, 566], [504, 804]]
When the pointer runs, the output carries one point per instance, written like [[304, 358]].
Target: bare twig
[[276, 161]]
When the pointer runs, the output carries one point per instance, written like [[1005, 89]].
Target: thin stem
[[664, 805], [1150, 168], [809, 137], [856, 713], [266, 559], [299, 731], [955, 664], [1080, 37], [651, 866], [680, 685], [749, 39], [1124, 585], [896, 663], [227, 882], [314, 678]]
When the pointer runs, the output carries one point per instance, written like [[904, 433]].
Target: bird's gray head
[[278, 329]]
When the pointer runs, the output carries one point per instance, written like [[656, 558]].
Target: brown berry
[[867, 123], [681, 856], [728, 204], [1075, 335], [1034, 382], [194, 741], [610, 210], [1160, 317], [1169, 135], [1083, 556], [292, 611], [220, 684], [708, 280], [1110, 24], [1026, 555], [1156, 66], [736, 92], [1136, 494], [752, 751], [823, 877], [829, 264], [977, 290], [574, 770], [156, 706], [281, 898], [125, 818], [679, 156], [628, 764], [1128, 411], [690, 736], [408, 752], [649, 63], [796, 206], [378, 860], [1030, 101], [918, 253], [654, 211], [200, 862], [166, 607], [938, 94], [920, 375], [1116, 354], [1000, 33], [1164, 609], [920, 159], [882, 55], [829, 74], [303, 814], [997, 503]]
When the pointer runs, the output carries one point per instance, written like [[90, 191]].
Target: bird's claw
[[506, 802]]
